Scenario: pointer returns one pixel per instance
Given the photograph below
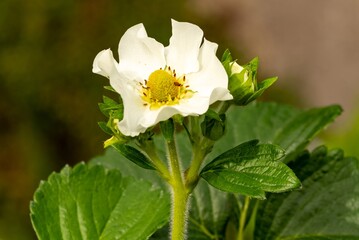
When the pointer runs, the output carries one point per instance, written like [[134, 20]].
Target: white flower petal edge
[[141, 55], [211, 81], [104, 63], [183, 49]]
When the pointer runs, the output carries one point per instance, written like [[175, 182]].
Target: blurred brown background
[[48, 95]]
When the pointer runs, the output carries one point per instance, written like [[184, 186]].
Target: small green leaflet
[[134, 155], [251, 169], [94, 203]]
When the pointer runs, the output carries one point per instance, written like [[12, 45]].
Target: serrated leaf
[[286, 126], [212, 215], [134, 155], [327, 206], [252, 170], [299, 131], [94, 203]]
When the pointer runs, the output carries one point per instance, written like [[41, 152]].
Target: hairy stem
[[180, 195], [179, 212]]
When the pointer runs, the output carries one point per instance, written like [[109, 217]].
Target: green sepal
[[243, 85], [251, 169], [227, 61], [110, 88], [241, 88], [105, 128], [107, 106], [134, 155], [114, 112], [252, 67], [110, 108], [262, 86], [114, 140]]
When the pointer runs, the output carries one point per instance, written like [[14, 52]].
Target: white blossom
[[157, 82]]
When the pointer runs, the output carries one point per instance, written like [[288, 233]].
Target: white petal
[[139, 53], [104, 63], [194, 106], [236, 68], [211, 75], [197, 105], [220, 94], [152, 117], [133, 113], [182, 52]]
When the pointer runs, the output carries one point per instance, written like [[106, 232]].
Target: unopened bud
[[213, 125]]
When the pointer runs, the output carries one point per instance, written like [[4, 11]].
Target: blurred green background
[[49, 96]]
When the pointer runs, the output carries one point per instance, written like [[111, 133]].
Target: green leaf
[[134, 155], [112, 159], [95, 203], [299, 131], [209, 212], [105, 128], [110, 108], [251, 169], [326, 208], [209, 206], [290, 128]]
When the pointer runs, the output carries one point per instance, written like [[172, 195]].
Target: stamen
[[164, 88]]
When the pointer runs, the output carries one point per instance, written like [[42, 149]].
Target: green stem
[[242, 219], [180, 195], [223, 107], [150, 149], [179, 213], [192, 172]]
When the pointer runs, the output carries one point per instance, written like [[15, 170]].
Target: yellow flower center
[[164, 88]]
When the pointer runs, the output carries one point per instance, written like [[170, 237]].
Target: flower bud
[[243, 80], [213, 125]]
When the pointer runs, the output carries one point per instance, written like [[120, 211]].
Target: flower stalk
[[242, 219], [180, 194]]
